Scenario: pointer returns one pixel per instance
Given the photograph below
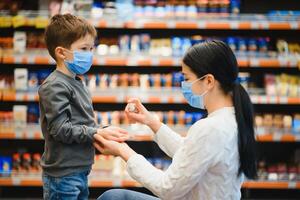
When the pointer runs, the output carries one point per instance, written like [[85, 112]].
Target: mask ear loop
[[198, 79], [70, 52]]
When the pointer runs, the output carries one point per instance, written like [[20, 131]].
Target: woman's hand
[[113, 133], [110, 147], [141, 115]]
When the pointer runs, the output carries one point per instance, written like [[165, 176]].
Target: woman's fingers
[[138, 104], [118, 139], [137, 117], [131, 121], [97, 146]]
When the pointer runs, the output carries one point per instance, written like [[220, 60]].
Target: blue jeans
[[121, 194], [70, 187]]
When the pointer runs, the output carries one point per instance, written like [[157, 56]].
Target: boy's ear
[[60, 53]]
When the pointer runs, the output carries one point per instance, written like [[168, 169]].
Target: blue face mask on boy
[[81, 63], [194, 100]]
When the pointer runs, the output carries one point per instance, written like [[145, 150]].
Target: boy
[[67, 116]]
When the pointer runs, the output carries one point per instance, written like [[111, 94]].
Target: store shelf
[[288, 137], [39, 136], [26, 182], [15, 181], [261, 99], [212, 24], [144, 60], [227, 22], [271, 185], [33, 132], [23, 136], [152, 95]]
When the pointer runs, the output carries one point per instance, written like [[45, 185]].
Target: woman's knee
[[113, 194]]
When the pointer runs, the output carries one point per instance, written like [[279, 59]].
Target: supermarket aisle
[[138, 53]]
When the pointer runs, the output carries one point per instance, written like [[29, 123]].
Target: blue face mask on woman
[[194, 100], [81, 63]]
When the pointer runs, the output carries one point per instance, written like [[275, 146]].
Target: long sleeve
[[168, 140], [200, 150], [55, 102]]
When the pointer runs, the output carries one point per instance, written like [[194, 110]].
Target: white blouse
[[205, 163]]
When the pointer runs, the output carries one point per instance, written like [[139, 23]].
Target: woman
[[209, 163]]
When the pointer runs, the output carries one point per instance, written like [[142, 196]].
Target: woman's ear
[[210, 80]]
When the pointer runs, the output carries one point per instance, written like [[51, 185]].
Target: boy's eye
[[84, 48]]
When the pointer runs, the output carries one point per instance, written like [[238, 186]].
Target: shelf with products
[[22, 123], [23, 170], [286, 137], [121, 95], [256, 54], [130, 183], [146, 50], [280, 89], [157, 97], [146, 61], [155, 14], [202, 21]]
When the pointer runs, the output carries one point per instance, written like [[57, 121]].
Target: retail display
[[138, 53]]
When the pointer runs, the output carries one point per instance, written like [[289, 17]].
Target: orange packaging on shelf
[[168, 78], [181, 115], [135, 80], [157, 80], [124, 80], [16, 165], [170, 119], [36, 162], [26, 162], [278, 121]]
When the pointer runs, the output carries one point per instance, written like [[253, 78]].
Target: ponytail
[[246, 140]]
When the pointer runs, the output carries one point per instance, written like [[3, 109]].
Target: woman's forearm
[[126, 152]]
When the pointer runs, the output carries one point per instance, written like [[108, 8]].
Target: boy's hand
[[113, 133]]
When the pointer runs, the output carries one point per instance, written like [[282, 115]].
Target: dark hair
[[216, 58], [63, 30]]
